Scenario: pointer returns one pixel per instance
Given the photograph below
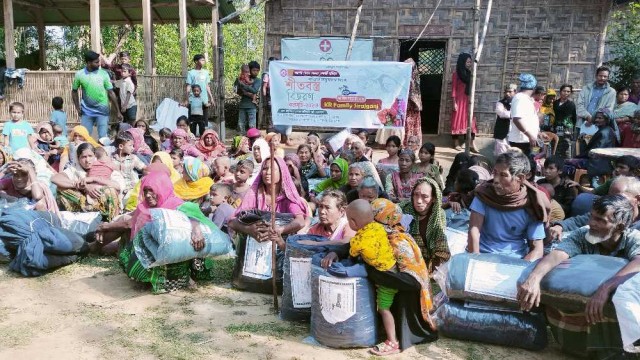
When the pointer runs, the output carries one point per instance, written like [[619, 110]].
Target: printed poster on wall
[[325, 49], [356, 94]]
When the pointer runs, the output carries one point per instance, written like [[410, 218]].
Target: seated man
[[608, 235], [563, 193], [621, 185], [508, 214]]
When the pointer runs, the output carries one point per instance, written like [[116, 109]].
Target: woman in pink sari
[[140, 147], [180, 140], [211, 146]]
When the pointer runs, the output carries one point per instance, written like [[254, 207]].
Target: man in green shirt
[[248, 108]]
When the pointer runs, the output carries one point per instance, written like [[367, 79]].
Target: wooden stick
[[354, 31], [273, 227]]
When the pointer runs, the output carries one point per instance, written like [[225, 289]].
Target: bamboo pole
[[182, 14], [425, 26], [272, 187], [354, 31], [9, 35], [147, 28], [94, 12]]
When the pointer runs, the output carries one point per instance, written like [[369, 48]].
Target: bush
[[624, 42]]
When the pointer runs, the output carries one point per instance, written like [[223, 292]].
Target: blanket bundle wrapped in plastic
[[83, 224], [627, 303], [37, 241], [468, 321], [343, 310], [252, 270], [166, 239], [484, 277], [296, 287]]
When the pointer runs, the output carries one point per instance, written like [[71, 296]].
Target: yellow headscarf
[[82, 131], [199, 183], [165, 158]]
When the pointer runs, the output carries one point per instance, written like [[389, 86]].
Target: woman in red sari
[[461, 88]]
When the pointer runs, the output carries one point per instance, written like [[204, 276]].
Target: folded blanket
[[166, 239]]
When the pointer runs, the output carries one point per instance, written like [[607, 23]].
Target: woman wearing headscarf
[[195, 182], [140, 147], [148, 138], [428, 224], [260, 151], [78, 135], [293, 163], [22, 182], [210, 145], [241, 148], [157, 192], [45, 144], [460, 91], [339, 171], [413, 121], [180, 140], [160, 157]]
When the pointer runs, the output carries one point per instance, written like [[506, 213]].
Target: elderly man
[[608, 234], [628, 186], [503, 120], [525, 124], [508, 213], [595, 96]]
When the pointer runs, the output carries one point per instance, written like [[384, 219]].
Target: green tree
[[624, 43]]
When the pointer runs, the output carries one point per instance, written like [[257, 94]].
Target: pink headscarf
[[159, 181], [213, 151], [139, 146], [189, 150], [253, 199]]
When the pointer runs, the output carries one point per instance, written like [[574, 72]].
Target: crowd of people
[[391, 214]]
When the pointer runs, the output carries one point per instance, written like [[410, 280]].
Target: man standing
[[508, 214], [595, 96], [503, 120], [248, 108], [97, 91], [199, 76], [525, 125]]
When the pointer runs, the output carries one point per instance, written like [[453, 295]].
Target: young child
[[126, 161], [372, 245], [275, 139], [218, 209], [165, 139], [58, 116], [128, 105], [196, 111], [183, 123], [245, 79], [18, 134], [46, 147], [59, 137], [221, 165], [177, 157], [243, 172], [103, 167], [428, 164]]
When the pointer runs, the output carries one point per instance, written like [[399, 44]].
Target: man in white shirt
[[525, 124]]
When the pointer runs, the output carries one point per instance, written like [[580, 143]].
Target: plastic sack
[[14, 203], [467, 321], [569, 285], [627, 303], [467, 273], [296, 287], [343, 310], [83, 224], [166, 239], [252, 270]]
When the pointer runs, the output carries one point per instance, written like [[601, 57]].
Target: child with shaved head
[[221, 166], [372, 245]]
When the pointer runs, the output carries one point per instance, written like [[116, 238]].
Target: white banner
[[325, 49], [357, 94]]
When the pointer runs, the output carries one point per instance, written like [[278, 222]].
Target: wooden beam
[[94, 12], [184, 50], [147, 28], [41, 43], [214, 60], [9, 36], [124, 13]]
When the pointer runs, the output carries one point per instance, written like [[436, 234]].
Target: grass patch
[[222, 270], [278, 330], [17, 334]]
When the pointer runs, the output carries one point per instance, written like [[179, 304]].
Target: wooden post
[[9, 37], [472, 95], [354, 31], [606, 12], [215, 61], [94, 12], [41, 44], [274, 272], [182, 12], [221, 80], [147, 28]]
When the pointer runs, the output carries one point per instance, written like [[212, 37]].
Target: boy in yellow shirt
[[372, 245]]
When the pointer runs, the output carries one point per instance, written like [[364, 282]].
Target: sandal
[[385, 348]]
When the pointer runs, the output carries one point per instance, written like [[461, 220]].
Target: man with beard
[[503, 120], [608, 234], [508, 213]]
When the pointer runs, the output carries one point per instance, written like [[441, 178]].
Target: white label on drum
[[300, 275], [337, 298], [257, 259]]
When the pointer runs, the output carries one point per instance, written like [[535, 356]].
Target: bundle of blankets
[[36, 241]]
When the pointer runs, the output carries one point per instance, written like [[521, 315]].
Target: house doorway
[[430, 58]]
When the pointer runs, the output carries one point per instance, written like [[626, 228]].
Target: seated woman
[[332, 218], [140, 147], [211, 146], [261, 151], [44, 171], [309, 161], [630, 135], [428, 224], [258, 197], [399, 184], [77, 136], [183, 124], [357, 173], [339, 176], [148, 138], [607, 136], [157, 192], [624, 109], [275, 139], [78, 192], [319, 151], [240, 148], [359, 151], [179, 140], [293, 163], [159, 157], [22, 182], [195, 182], [428, 164]]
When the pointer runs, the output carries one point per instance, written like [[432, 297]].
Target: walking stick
[[273, 228]]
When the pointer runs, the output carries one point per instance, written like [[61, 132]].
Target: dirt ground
[[91, 310]]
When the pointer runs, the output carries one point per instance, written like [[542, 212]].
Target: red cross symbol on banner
[[325, 45]]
